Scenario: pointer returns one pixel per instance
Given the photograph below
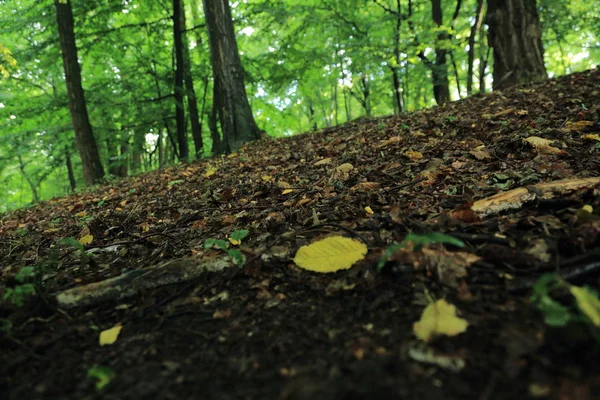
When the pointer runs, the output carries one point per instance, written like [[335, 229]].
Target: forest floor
[[271, 330]]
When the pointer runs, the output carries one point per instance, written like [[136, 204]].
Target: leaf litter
[[507, 174]]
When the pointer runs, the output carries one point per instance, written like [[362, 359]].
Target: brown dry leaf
[[222, 314], [544, 146], [365, 186], [391, 140], [413, 155], [480, 154], [449, 266], [323, 161], [342, 172], [303, 201], [579, 125]]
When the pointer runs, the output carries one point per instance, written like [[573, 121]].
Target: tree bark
[[237, 122], [471, 52], [179, 75], [84, 137], [190, 92], [515, 34], [70, 173], [439, 71]]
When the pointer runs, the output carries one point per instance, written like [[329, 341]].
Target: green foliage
[[102, 375], [586, 307], [417, 241], [235, 237], [17, 294]]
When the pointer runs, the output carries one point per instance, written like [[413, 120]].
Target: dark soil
[[271, 330]]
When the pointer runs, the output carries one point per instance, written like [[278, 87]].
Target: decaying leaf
[[86, 239], [109, 336], [439, 318], [330, 254], [323, 161], [544, 146], [425, 354], [342, 172], [413, 155], [365, 186]]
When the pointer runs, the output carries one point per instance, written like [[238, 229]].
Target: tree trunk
[[439, 71], [471, 52], [70, 173], [515, 34], [179, 74], [84, 137], [237, 122], [190, 92], [399, 105]]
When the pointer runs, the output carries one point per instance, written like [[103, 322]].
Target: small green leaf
[[433, 237], [175, 182], [216, 243], [24, 273], [101, 203], [237, 256], [103, 376], [239, 234]]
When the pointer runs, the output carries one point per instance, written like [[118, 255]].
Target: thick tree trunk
[[179, 75], [84, 138], [190, 92], [515, 34], [439, 71], [237, 122]]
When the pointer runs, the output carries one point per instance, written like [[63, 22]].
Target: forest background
[[307, 64]]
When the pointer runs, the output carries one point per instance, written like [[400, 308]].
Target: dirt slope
[[270, 330]]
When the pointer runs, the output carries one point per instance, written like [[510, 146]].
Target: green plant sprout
[[235, 238], [20, 292], [586, 310]]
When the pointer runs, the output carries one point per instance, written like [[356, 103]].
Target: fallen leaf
[[544, 146], [425, 354], [109, 336], [330, 254], [323, 161], [86, 239], [588, 302], [439, 318], [365, 186], [413, 155], [287, 191]]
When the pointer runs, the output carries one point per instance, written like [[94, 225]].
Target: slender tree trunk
[[439, 71], [471, 52], [515, 34], [32, 186], [84, 137], [70, 172], [235, 114], [179, 75], [190, 92], [213, 119], [399, 104]]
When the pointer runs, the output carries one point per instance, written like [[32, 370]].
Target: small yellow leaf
[[110, 336], [592, 136], [579, 125], [330, 254], [287, 191], [234, 242], [51, 230], [266, 178], [369, 210], [439, 318], [86, 239], [323, 161], [81, 214], [122, 204], [210, 172], [588, 302]]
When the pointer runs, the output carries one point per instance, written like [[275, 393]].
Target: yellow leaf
[[544, 146], [592, 136], [330, 254], [210, 172], [234, 242], [266, 178], [588, 302], [51, 230], [287, 191], [81, 214], [439, 318], [323, 161], [369, 210], [123, 203], [579, 125], [110, 336], [86, 239]]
